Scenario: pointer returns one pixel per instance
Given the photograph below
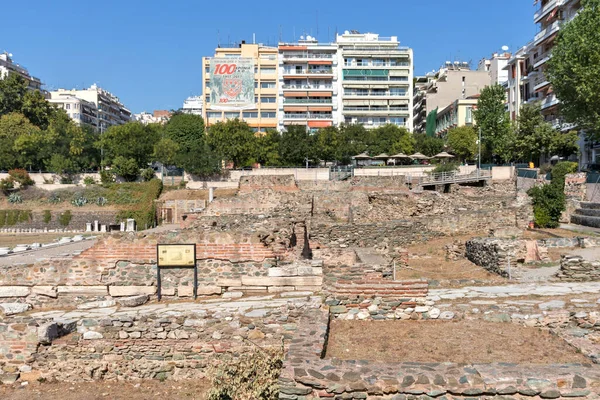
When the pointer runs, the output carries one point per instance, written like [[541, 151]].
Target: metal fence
[[527, 173]]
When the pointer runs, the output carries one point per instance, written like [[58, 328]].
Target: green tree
[[428, 145], [132, 140], [166, 151], [37, 109], [463, 142], [533, 133], [494, 122], [564, 144], [12, 91], [268, 148], [18, 139], [327, 143], [354, 140], [234, 141], [127, 168], [391, 139], [297, 145], [574, 68]]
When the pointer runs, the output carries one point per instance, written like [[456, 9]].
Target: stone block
[[14, 308], [185, 291], [310, 271], [208, 290], [14, 291], [282, 281], [82, 290], [47, 332], [91, 335], [227, 282], [283, 271], [232, 295], [49, 291], [133, 301], [96, 304], [170, 291], [280, 289], [125, 291]]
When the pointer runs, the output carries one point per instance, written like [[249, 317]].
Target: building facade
[[420, 102], [156, 117], [496, 67], [193, 105], [519, 86], [264, 115], [110, 109], [376, 80], [8, 66], [81, 111], [454, 115], [308, 90]]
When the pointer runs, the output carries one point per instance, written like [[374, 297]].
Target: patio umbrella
[[419, 156], [443, 154], [400, 155], [362, 156], [382, 156]]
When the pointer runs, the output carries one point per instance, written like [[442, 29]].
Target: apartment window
[[469, 118], [397, 121], [207, 70], [399, 78], [398, 91], [378, 63], [250, 114], [255, 70], [254, 130], [265, 70], [67, 106], [207, 99], [267, 85], [264, 99], [255, 99], [232, 115], [213, 115], [255, 84], [267, 114]]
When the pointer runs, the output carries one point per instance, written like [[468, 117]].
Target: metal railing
[[440, 178]]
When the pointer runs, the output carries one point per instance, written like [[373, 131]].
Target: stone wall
[[576, 269], [308, 374], [155, 341], [279, 183], [78, 221]]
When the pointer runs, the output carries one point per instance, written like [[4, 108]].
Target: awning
[[320, 108], [552, 14], [294, 94], [399, 72], [320, 94], [319, 124], [320, 62], [366, 72], [294, 108], [398, 102]]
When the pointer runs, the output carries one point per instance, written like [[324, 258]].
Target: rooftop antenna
[[317, 12], [294, 28], [280, 33], [218, 38]]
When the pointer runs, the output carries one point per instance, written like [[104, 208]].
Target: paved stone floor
[[530, 289], [32, 256]]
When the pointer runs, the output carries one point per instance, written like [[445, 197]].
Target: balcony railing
[[308, 71], [545, 9], [307, 101], [547, 32], [378, 94], [307, 116], [549, 101], [308, 87], [288, 56], [542, 59]]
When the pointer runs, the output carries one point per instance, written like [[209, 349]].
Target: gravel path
[[31, 256]]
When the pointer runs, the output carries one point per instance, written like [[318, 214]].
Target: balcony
[[307, 101], [376, 94], [547, 32], [540, 82], [307, 116], [307, 87], [308, 56], [316, 72], [543, 11], [542, 59], [549, 101]]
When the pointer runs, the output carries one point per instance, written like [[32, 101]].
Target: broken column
[[130, 225], [211, 194]]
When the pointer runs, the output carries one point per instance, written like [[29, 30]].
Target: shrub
[[88, 181], [7, 184], [107, 176], [561, 169], [182, 184], [545, 168], [548, 204], [79, 201], [144, 212], [148, 174], [12, 217], [54, 198], [253, 376], [65, 218], [21, 176], [66, 180], [101, 201], [15, 198], [47, 216], [446, 167]]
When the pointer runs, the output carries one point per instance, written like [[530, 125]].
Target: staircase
[[588, 214]]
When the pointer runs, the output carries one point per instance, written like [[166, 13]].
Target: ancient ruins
[[287, 261]]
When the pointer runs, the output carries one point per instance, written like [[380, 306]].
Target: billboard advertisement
[[232, 83]]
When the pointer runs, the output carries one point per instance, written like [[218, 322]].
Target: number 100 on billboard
[[232, 83]]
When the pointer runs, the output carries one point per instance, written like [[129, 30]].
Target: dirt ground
[[10, 240], [199, 194], [549, 233], [445, 341], [428, 261], [147, 389]]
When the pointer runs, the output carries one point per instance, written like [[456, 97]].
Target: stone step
[[590, 212], [585, 220], [589, 205]]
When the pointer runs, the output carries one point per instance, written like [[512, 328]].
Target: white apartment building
[[496, 67], [376, 80], [193, 105], [308, 90], [110, 109], [149, 118], [519, 86], [8, 66], [79, 110]]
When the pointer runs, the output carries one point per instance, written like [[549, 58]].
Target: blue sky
[[149, 52]]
